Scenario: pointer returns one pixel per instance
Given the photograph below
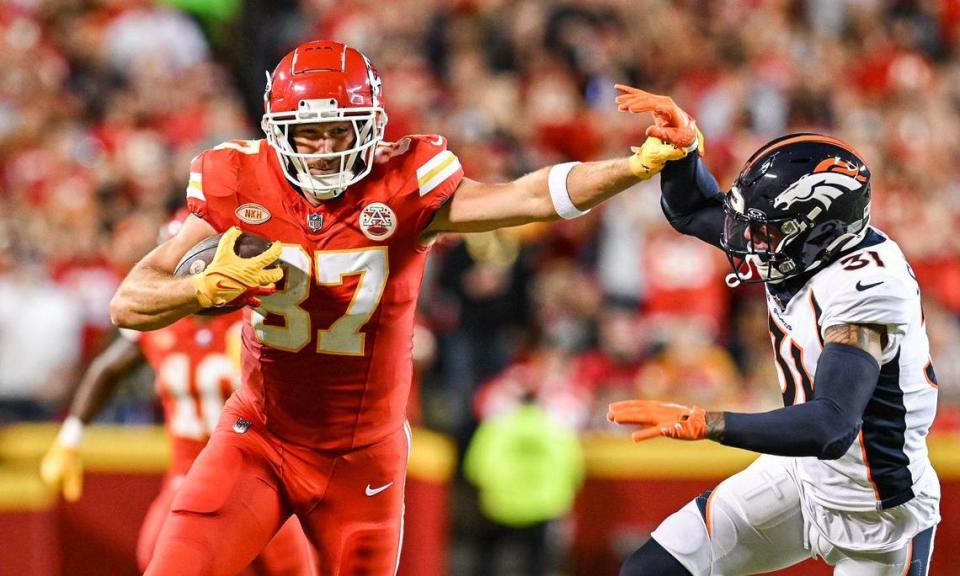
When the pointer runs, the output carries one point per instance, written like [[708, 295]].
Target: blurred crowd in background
[[104, 102]]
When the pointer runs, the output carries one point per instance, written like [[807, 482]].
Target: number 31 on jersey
[[325, 268]]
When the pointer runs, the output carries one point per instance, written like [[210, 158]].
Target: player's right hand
[[62, 470], [671, 124], [229, 276]]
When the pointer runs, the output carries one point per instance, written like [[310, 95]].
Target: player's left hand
[[660, 419], [62, 469], [230, 276], [671, 123]]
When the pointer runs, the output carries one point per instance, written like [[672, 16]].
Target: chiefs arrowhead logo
[[377, 221]]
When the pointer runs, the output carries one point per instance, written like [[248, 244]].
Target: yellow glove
[[649, 159], [229, 276], [61, 467]]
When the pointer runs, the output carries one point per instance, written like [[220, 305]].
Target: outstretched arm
[[61, 467], [479, 206], [564, 190], [824, 426], [691, 199], [100, 381]]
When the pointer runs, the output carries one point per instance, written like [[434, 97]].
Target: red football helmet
[[323, 81]]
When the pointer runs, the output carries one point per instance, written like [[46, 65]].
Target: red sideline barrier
[[28, 526], [124, 466]]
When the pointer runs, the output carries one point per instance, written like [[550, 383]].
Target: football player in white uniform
[[845, 473]]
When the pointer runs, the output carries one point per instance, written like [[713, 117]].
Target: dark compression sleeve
[[691, 199], [824, 426]]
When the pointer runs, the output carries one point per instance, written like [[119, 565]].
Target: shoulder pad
[[207, 171], [424, 157], [212, 188], [870, 295], [434, 164]]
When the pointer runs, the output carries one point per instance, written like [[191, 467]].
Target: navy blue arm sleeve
[[824, 426], [691, 199]]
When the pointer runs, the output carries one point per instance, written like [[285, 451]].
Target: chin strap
[[735, 278], [331, 185]]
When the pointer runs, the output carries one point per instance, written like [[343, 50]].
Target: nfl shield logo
[[315, 222]]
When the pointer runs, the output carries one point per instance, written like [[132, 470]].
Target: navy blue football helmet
[[799, 200]]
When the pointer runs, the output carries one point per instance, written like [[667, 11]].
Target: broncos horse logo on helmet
[[799, 200], [830, 179]]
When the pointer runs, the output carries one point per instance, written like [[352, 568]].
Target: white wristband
[[557, 183], [71, 433]]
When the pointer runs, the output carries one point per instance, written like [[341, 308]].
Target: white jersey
[[888, 463]]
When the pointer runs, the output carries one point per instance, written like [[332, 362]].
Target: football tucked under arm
[[221, 286]]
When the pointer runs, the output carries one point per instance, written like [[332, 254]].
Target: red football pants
[[247, 482], [288, 553]]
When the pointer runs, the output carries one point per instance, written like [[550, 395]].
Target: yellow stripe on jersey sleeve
[[195, 186], [436, 170]]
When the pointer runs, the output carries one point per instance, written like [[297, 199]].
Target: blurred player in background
[[318, 426], [196, 371], [844, 473]]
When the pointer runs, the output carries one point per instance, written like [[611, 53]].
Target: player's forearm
[[100, 381], [824, 426], [587, 185], [591, 183], [691, 199], [97, 386], [688, 185], [148, 299], [818, 428]]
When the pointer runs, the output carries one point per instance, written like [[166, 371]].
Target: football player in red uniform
[[317, 428], [194, 377]]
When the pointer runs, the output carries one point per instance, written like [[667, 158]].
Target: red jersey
[[327, 359], [194, 377]]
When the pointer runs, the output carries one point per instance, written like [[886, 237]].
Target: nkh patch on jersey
[[253, 213], [887, 464]]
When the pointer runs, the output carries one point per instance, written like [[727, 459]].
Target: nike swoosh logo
[[438, 141], [374, 491], [222, 286], [861, 286]]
